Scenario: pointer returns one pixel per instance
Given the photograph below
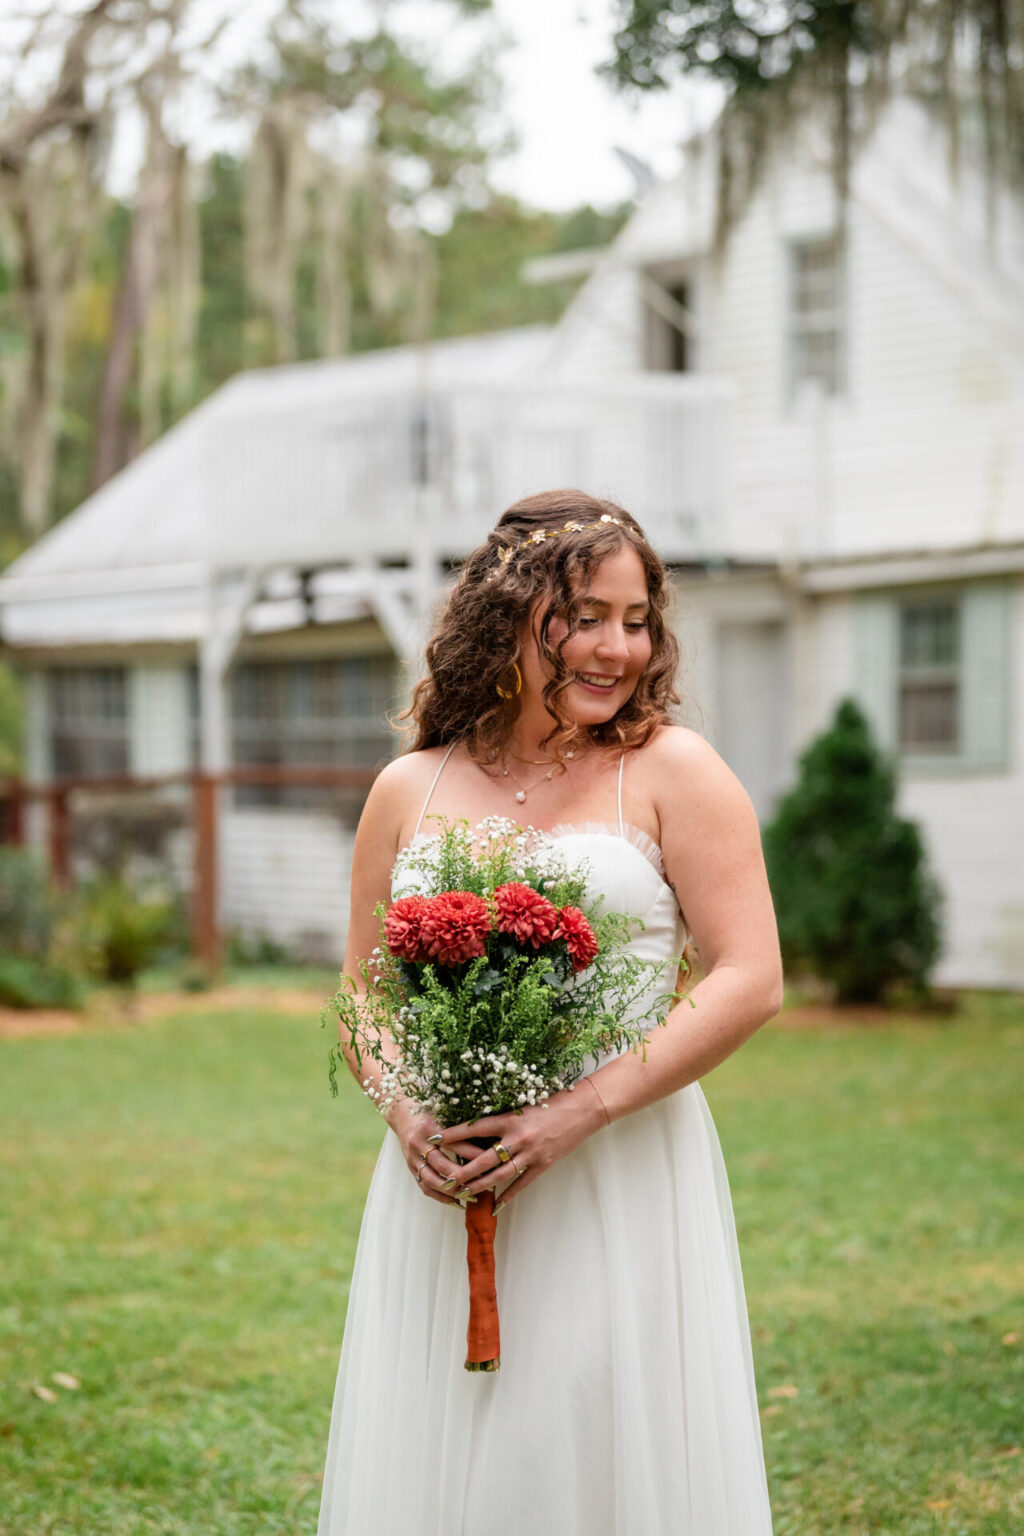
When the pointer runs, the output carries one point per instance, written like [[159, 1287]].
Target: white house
[[821, 426]]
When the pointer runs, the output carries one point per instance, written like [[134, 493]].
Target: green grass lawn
[[179, 1207]]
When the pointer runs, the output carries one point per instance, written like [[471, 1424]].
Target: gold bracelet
[[607, 1117]]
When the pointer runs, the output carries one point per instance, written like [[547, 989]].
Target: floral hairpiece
[[505, 555]]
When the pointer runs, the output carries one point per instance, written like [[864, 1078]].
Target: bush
[[118, 931], [28, 905], [30, 976], [855, 902], [31, 984]]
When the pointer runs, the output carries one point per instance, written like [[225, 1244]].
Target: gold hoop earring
[[510, 693]]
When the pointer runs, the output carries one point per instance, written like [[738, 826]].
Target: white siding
[[285, 875], [972, 823], [925, 447]]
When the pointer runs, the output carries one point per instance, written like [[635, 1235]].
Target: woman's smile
[[610, 645]]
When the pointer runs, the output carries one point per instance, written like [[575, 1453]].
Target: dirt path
[[106, 1013]]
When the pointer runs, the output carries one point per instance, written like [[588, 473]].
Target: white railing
[[372, 478]]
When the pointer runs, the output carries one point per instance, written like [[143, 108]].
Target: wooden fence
[[204, 811]]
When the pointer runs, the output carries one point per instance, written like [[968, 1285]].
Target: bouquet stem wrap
[[483, 1341]]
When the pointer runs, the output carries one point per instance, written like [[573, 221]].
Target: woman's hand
[[435, 1168], [534, 1138]]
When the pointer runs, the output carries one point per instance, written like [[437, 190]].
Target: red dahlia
[[579, 937], [526, 914], [455, 927], [403, 927]]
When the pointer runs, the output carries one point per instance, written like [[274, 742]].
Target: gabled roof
[[968, 233], [154, 519]]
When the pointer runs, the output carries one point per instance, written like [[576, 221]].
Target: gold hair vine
[[505, 555]]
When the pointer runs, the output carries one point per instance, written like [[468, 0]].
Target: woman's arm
[[712, 847]]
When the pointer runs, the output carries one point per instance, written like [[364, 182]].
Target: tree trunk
[[138, 279]]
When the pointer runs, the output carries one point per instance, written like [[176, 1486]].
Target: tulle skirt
[[625, 1402]]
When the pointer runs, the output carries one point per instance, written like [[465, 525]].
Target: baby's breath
[[511, 1028]]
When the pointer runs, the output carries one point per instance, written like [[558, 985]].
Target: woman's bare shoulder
[[403, 784], [675, 747], [682, 771]]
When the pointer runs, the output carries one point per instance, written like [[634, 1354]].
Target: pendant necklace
[[522, 790]]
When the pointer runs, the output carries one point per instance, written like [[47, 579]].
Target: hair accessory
[[541, 534]]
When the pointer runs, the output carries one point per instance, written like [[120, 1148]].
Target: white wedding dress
[[625, 1403]]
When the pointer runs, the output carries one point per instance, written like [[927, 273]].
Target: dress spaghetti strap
[[622, 824], [437, 775]]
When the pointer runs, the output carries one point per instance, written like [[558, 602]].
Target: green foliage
[[840, 59], [513, 1025], [33, 984], [856, 905], [118, 932], [480, 259], [28, 905], [11, 723], [31, 974]]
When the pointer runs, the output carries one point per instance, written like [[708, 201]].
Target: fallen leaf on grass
[[1011, 1338], [786, 1390], [71, 1383], [767, 1412], [937, 1504], [45, 1394], [1008, 1450]]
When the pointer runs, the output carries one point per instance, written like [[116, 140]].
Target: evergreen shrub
[[856, 904]]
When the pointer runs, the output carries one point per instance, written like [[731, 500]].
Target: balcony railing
[[381, 477]]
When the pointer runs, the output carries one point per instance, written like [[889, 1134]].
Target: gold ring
[[515, 1165], [419, 1176], [504, 1156]]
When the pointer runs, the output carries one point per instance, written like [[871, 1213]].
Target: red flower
[[526, 914], [455, 927], [403, 927], [579, 937]]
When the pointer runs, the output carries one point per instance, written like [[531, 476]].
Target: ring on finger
[[419, 1176], [519, 1171]]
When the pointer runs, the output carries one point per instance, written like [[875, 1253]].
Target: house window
[[669, 347], [929, 684], [88, 721], [324, 713], [815, 321]]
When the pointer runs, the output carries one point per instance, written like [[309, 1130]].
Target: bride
[[625, 1402]]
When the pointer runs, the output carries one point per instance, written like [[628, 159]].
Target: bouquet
[[491, 988]]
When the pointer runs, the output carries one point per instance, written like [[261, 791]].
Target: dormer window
[[669, 323]]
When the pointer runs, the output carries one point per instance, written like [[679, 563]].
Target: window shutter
[[986, 635], [874, 652]]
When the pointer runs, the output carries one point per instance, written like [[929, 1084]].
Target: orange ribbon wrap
[[483, 1341]]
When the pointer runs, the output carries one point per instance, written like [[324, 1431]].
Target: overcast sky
[[568, 120]]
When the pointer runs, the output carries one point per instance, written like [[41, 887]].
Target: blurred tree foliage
[[844, 58], [317, 238]]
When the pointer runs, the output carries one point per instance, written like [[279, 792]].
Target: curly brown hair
[[469, 691]]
